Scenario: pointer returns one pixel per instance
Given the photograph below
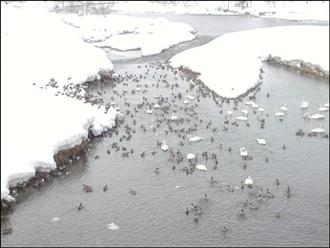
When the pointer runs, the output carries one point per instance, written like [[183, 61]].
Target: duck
[[248, 181], [156, 106], [249, 103], [229, 112], [243, 152], [261, 109], [149, 111], [164, 147], [186, 102], [242, 118], [190, 97], [244, 111], [261, 141], [284, 108], [314, 116], [173, 117], [254, 105], [318, 130], [304, 105]]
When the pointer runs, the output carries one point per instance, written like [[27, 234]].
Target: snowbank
[[151, 35], [291, 10], [230, 64], [35, 123]]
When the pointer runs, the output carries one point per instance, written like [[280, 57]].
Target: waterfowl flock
[[174, 112]]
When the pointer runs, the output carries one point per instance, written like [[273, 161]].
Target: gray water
[[155, 216]]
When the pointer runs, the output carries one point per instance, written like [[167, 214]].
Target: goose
[[191, 156], [314, 116], [164, 147], [244, 111], [242, 118], [323, 108], [318, 130], [229, 112], [279, 114], [304, 105], [194, 139], [261, 141], [284, 108], [248, 181], [201, 167], [243, 152]]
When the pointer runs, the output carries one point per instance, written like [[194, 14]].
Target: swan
[[261, 109], [284, 108], [314, 116], [173, 117], [164, 147], [245, 111], [261, 141], [191, 156], [279, 114], [149, 111], [156, 106], [201, 167], [243, 152], [318, 130], [248, 181], [323, 108], [304, 105], [242, 118], [229, 112], [113, 226], [254, 105], [194, 139]]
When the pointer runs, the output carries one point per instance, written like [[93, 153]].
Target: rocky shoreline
[[300, 66]]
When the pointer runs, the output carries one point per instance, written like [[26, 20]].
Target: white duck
[[261, 141], [254, 105], [261, 109], [186, 102], [138, 89], [245, 111], [149, 111], [156, 106], [194, 139], [284, 108], [229, 112], [243, 152], [191, 156], [190, 97], [314, 116], [242, 118], [164, 147], [156, 96], [304, 105], [248, 181], [249, 103], [173, 117], [318, 130]]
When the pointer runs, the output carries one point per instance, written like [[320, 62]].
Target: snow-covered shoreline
[[35, 124], [229, 65]]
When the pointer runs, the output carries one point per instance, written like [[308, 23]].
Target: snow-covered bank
[[36, 46], [230, 64], [290, 10], [151, 35]]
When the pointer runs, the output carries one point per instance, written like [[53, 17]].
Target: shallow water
[[155, 216]]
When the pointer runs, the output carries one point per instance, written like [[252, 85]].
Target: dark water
[[155, 216]]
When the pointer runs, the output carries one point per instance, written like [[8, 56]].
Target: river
[[155, 215]]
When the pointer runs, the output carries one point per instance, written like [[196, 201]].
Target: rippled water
[[155, 216]]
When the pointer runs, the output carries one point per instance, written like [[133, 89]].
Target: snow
[[36, 46], [291, 10], [150, 35], [229, 64]]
